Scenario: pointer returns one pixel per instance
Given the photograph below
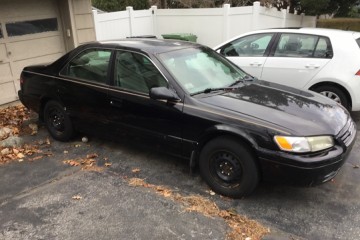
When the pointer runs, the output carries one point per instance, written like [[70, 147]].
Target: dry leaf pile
[[12, 118], [242, 228]]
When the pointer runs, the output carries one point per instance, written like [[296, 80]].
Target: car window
[[358, 42], [197, 69], [323, 48], [91, 65], [136, 72], [303, 46], [253, 45]]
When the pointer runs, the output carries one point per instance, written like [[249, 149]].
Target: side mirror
[[163, 93]]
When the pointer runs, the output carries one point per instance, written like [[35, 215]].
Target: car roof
[[317, 31], [153, 46]]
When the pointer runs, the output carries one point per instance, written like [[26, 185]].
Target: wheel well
[[312, 88], [42, 106], [242, 139]]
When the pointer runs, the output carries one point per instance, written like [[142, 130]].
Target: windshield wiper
[[209, 90], [228, 88]]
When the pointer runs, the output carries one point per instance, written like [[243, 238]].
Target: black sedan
[[195, 104]]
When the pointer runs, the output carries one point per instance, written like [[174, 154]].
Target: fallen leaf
[[48, 141], [108, 164], [21, 160], [36, 158], [20, 155], [77, 145], [66, 152], [136, 170], [212, 193], [77, 197], [92, 155], [355, 166], [71, 163]]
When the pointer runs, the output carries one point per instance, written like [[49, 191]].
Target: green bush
[[340, 23]]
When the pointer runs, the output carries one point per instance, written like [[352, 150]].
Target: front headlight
[[304, 144]]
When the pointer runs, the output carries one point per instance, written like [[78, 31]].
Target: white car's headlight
[[304, 144]]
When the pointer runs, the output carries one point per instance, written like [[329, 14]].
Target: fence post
[[284, 18], [255, 16], [302, 19], [96, 24], [131, 19], [226, 10], [153, 17]]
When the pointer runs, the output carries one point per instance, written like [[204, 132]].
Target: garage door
[[30, 33]]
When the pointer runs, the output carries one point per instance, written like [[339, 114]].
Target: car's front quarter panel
[[203, 122]]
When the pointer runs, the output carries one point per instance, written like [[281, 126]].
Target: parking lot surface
[[47, 198]]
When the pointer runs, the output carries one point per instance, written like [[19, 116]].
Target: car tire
[[229, 167], [335, 94], [57, 121]]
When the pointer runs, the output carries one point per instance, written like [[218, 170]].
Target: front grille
[[348, 133]]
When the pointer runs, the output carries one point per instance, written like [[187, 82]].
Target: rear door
[[296, 58], [84, 86], [249, 52]]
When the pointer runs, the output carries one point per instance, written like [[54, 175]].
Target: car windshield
[[201, 69]]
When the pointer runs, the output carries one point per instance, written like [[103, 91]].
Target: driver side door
[[159, 123]]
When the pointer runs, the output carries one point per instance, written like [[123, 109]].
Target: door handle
[[116, 103], [312, 66], [258, 64]]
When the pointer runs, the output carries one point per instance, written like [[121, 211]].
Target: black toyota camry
[[195, 104]]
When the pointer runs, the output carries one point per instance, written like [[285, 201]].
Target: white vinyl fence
[[211, 25]]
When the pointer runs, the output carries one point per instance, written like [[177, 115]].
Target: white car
[[326, 61]]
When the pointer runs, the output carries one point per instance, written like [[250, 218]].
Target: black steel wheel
[[57, 121], [335, 94], [229, 167]]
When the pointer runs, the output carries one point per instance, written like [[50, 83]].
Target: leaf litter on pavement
[[241, 227], [13, 118], [11, 124]]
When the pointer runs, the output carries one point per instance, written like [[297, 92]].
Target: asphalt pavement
[[47, 199]]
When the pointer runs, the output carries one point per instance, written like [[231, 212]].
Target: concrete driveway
[[48, 199]]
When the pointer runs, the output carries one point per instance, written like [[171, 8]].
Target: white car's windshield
[[199, 69]]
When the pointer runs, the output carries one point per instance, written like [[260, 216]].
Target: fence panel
[[211, 25]]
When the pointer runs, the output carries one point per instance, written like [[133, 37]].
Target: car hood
[[300, 112]]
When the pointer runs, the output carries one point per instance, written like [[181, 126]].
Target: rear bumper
[[302, 170]]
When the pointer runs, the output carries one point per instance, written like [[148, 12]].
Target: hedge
[[340, 23]]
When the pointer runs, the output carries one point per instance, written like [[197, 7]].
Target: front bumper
[[302, 170], [309, 169]]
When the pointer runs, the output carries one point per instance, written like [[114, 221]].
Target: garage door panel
[[7, 92], [5, 71], [3, 55], [36, 48], [15, 9]]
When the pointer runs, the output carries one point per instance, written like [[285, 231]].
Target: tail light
[[22, 79], [357, 73]]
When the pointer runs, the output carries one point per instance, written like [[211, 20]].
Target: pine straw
[[241, 227]]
